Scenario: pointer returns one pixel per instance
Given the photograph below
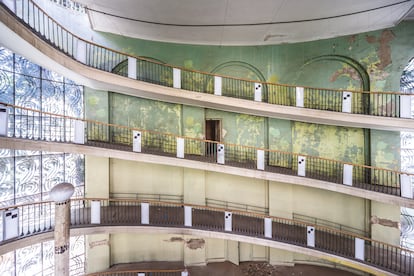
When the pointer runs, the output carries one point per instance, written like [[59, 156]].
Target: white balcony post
[[268, 228], [406, 186], [176, 78], [301, 166], [4, 123], [405, 106], [359, 249], [144, 213], [260, 160], [136, 141], [347, 174], [310, 236], [299, 96], [95, 212], [258, 92], [346, 102], [220, 154], [180, 147], [10, 223], [188, 216], [228, 221], [217, 85], [132, 68], [79, 135]]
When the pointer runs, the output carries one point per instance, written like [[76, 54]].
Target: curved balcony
[[63, 133], [117, 215], [120, 72]]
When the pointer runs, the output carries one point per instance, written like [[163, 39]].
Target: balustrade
[[37, 218]]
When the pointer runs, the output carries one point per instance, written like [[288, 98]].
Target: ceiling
[[244, 22]]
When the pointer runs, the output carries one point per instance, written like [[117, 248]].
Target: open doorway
[[213, 133]]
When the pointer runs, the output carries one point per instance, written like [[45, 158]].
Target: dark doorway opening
[[213, 133]]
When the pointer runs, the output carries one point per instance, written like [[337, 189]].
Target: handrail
[[121, 212], [47, 126], [130, 272], [386, 104]]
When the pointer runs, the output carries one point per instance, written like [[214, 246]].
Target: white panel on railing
[[227, 221], [258, 92], [95, 212], [136, 141], [220, 154], [81, 51], [406, 186], [405, 106], [310, 236], [144, 213], [180, 147], [132, 68], [268, 228], [10, 224], [260, 160], [347, 177], [141, 274], [188, 216], [79, 137], [217, 85], [301, 165], [184, 273], [359, 249], [4, 113], [346, 102], [299, 97], [176, 78]]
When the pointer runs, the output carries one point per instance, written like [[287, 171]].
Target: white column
[[217, 85], [4, 113], [258, 92], [220, 154], [95, 212], [227, 221], [359, 249], [301, 165], [144, 213], [299, 96], [10, 223], [405, 106], [132, 68], [136, 141], [180, 147], [310, 236], [260, 160], [268, 228], [347, 175], [346, 102], [188, 216], [406, 186], [176, 78], [79, 137]]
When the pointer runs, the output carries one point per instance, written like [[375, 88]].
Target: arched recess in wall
[[241, 70], [149, 69], [336, 72]]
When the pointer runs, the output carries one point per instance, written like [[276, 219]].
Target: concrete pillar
[[61, 194]]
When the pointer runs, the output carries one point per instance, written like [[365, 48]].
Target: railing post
[[144, 213], [310, 237], [10, 223], [301, 165], [4, 114], [184, 273], [220, 154], [228, 221], [406, 186], [405, 106], [81, 51], [299, 97], [359, 249], [176, 78], [268, 228], [95, 212], [61, 194], [188, 216], [180, 147], [132, 68], [347, 174], [217, 85], [258, 92], [346, 102], [79, 135], [136, 141], [260, 160]]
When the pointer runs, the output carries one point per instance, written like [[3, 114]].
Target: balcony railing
[[387, 104], [120, 212], [143, 272], [33, 124]]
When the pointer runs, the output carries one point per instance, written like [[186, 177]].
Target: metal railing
[[117, 212], [387, 104], [32, 124], [149, 272]]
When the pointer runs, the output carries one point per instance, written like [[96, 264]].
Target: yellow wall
[[97, 253]]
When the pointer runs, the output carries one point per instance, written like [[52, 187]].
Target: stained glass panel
[[7, 264], [29, 260], [53, 172]]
